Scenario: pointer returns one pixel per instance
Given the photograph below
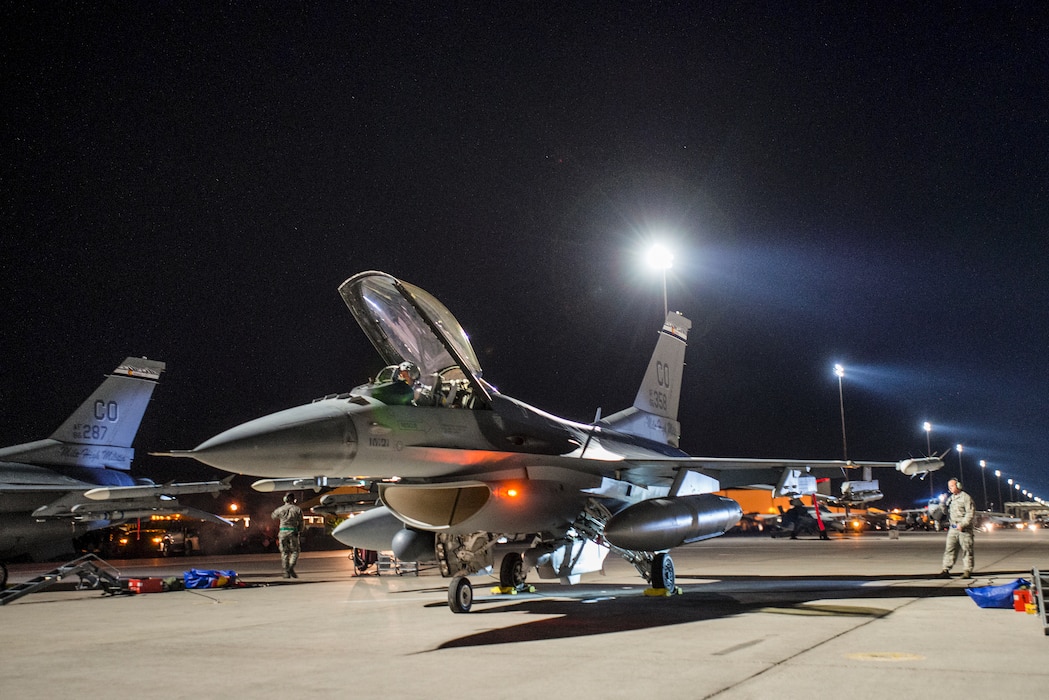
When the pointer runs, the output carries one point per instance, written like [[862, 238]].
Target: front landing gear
[[460, 595], [662, 576]]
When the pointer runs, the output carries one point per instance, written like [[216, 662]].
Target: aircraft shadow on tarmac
[[584, 611]]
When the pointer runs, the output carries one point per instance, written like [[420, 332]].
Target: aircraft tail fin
[[100, 432], [654, 413]]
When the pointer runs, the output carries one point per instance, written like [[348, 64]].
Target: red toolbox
[[1021, 597], [145, 585]]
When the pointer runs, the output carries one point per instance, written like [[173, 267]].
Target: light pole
[[983, 478], [661, 258], [927, 426], [839, 371], [1008, 491], [998, 478], [961, 476]]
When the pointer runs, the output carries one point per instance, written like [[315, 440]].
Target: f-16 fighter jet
[[461, 467]]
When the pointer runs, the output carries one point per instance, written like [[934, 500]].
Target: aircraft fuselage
[[357, 436]]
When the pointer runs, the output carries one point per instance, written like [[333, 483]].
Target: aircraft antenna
[[590, 433]]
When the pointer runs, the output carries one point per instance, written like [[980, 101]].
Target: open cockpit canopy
[[406, 323]]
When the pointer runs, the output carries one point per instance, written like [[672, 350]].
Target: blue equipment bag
[[211, 578], [996, 596]]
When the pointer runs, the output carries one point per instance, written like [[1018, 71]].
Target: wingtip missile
[[315, 483], [916, 466], [109, 493]]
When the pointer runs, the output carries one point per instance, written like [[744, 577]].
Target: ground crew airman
[[960, 513], [291, 524]]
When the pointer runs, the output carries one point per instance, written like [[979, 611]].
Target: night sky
[[842, 182]]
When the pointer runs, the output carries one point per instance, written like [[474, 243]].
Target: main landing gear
[[511, 580], [512, 576]]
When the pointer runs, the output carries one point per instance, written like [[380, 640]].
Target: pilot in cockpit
[[408, 373], [400, 391]]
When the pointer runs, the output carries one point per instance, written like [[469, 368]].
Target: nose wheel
[[460, 595], [663, 571]]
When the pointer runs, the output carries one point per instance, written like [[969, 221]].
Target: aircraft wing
[[117, 503], [715, 472], [28, 477], [779, 473]]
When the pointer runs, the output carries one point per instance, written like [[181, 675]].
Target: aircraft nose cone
[[310, 440]]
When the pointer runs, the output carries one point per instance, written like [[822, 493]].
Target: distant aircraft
[[935, 513], [461, 467], [77, 480], [988, 520]]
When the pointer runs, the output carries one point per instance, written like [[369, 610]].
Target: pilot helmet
[[289, 497], [411, 369]]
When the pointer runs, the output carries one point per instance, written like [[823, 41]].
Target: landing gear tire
[[663, 571], [460, 595], [511, 571]]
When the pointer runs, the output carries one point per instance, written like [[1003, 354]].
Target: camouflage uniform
[[960, 512], [290, 516]]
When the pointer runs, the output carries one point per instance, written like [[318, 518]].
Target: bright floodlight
[[660, 257], [998, 473], [839, 371], [983, 463], [958, 447], [927, 426]]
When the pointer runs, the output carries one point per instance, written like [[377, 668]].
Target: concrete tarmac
[[858, 616]]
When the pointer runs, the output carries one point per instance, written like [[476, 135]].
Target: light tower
[[839, 372], [661, 258], [998, 478], [983, 478], [927, 427]]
